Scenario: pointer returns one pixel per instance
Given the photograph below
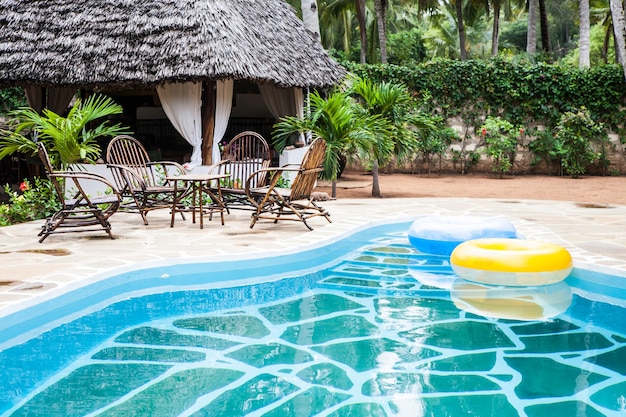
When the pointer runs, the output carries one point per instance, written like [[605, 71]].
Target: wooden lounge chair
[[81, 212], [295, 203], [141, 182], [245, 154]]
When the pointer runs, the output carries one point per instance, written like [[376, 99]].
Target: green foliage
[[283, 182], [463, 160], [11, 98], [500, 143], [522, 92], [68, 139], [544, 148], [575, 134], [391, 102], [597, 35], [30, 203], [513, 35], [406, 48], [433, 143], [340, 121]]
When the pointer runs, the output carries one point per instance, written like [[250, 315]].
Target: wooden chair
[[141, 182], [295, 203], [81, 212], [246, 153]]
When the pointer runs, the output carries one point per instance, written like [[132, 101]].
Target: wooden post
[[208, 121]]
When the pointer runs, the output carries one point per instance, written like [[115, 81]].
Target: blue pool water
[[367, 326]]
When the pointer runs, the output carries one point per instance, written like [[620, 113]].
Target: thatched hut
[[189, 51]]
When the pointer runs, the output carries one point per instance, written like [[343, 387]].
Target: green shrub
[[29, 203], [575, 134], [500, 143], [522, 92]]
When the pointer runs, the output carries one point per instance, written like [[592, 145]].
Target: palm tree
[[583, 43], [545, 32], [617, 13], [531, 37], [393, 103], [360, 15], [310, 16], [461, 27], [381, 23], [68, 139], [340, 121], [495, 33], [345, 11]]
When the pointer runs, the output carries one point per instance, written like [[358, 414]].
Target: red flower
[[24, 186], [484, 131], [521, 131]]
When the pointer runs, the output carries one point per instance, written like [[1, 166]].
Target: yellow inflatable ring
[[516, 262]]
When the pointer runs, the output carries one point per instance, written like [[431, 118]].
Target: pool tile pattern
[[370, 339]]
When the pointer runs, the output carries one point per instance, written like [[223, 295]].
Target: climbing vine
[[522, 93]]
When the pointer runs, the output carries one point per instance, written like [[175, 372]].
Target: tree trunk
[[375, 182], [606, 43], [495, 33], [543, 20], [617, 13], [461, 27], [333, 189], [583, 43], [310, 16], [531, 36], [360, 16], [381, 8]]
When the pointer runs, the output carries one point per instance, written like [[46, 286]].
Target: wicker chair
[[295, 203], [81, 212], [141, 182], [245, 154]]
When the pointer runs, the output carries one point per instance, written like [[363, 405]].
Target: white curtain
[[182, 104], [223, 106], [282, 101]]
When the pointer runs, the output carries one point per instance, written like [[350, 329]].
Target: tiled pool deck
[[594, 234]]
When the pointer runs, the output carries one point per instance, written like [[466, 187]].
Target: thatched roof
[[124, 43]]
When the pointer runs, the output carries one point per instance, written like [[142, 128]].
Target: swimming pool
[[363, 327]]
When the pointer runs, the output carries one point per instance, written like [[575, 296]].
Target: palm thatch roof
[[125, 43]]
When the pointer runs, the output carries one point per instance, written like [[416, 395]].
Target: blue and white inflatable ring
[[439, 235]]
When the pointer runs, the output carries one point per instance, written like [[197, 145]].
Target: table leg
[[220, 201], [216, 200], [200, 186], [175, 203], [193, 202]]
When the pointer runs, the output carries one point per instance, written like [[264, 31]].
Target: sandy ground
[[589, 189]]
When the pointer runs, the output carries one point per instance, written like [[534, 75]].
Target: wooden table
[[198, 186]]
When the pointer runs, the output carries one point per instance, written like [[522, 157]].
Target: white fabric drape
[[223, 106], [282, 101], [182, 104]]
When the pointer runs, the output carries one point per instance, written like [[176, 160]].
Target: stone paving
[[31, 272]]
